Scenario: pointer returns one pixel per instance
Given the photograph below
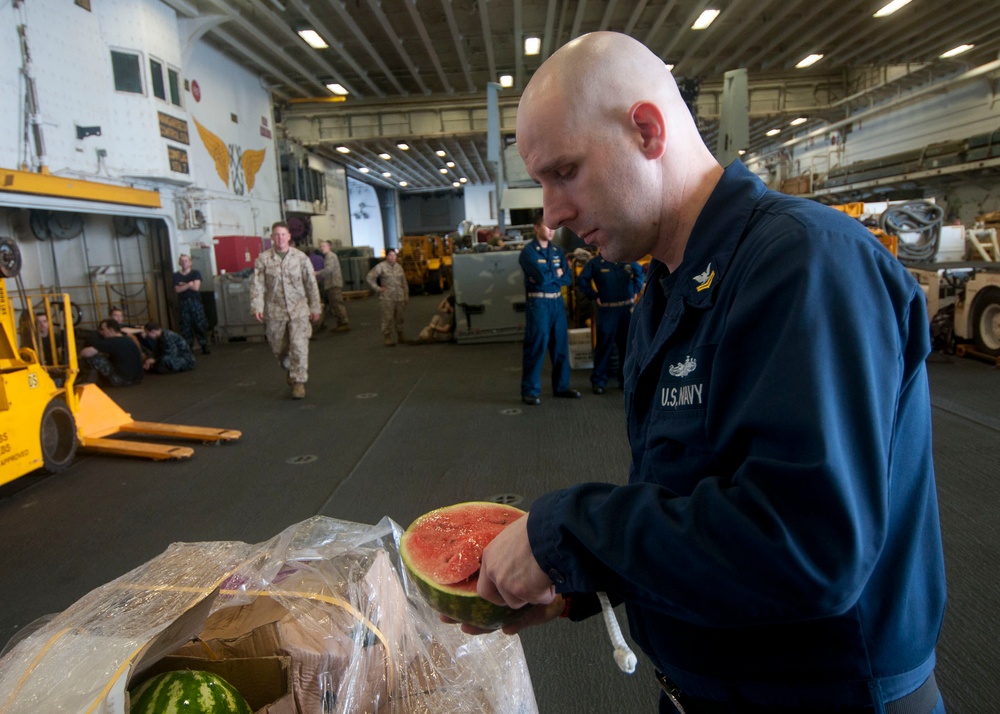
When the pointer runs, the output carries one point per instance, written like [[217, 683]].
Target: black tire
[[986, 322], [58, 437], [10, 258], [433, 284]]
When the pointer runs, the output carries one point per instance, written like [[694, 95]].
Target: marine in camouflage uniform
[[389, 280], [332, 282], [285, 297]]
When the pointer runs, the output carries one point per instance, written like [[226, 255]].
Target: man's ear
[[652, 127]]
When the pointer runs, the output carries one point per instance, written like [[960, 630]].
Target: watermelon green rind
[[187, 692], [465, 528]]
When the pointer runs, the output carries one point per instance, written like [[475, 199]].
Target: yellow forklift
[[44, 415], [426, 260]]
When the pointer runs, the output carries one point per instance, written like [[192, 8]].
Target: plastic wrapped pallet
[[328, 599]]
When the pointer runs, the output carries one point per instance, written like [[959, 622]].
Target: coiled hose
[[922, 217]]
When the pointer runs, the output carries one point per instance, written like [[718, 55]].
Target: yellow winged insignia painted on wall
[[231, 162], [217, 150], [252, 160]]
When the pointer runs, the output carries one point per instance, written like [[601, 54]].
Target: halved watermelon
[[442, 551], [186, 691]]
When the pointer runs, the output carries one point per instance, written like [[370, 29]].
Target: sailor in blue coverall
[[613, 287], [545, 272], [777, 546]]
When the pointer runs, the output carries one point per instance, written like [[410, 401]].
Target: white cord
[[624, 657]]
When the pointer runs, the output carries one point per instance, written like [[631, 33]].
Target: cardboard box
[[581, 349]]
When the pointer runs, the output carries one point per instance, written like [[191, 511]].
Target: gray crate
[[235, 318]]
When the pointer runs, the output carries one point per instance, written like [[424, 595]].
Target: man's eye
[[566, 173]]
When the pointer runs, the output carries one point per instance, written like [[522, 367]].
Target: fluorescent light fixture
[[439, 152], [796, 122], [772, 132], [384, 157], [403, 146], [313, 39], [463, 180], [741, 152], [450, 164], [364, 169], [532, 45], [337, 89], [403, 183], [891, 8], [808, 61], [386, 174], [670, 67], [343, 150], [956, 51], [444, 171], [705, 19], [456, 184], [506, 80]]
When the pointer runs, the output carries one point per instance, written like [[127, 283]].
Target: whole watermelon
[[187, 691], [442, 551]]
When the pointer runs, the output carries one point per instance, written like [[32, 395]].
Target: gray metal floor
[[400, 431]]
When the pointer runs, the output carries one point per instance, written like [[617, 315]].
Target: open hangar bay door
[[100, 260]]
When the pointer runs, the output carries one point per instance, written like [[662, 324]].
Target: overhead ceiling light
[[796, 122], [403, 146], [450, 164], [772, 132], [956, 51], [403, 183], [670, 67], [532, 45], [891, 8], [456, 184], [439, 152], [808, 61], [506, 80], [337, 89], [364, 169], [705, 19], [386, 174], [741, 152], [463, 180], [343, 150], [444, 171], [313, 39], [384, 156]]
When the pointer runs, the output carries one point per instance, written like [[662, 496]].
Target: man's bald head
[[602, 126]]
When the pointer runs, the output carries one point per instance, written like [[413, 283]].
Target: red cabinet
[[235, 253]]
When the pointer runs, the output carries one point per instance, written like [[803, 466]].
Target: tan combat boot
[[298, 390]]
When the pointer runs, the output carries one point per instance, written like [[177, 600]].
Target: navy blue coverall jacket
[[778, 541], [616, 284], [545, 323]]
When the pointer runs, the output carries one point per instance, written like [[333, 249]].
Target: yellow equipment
[[426, 260], [45, 416]]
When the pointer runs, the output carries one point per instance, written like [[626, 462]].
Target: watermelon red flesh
[[443, 549], [186, 692]]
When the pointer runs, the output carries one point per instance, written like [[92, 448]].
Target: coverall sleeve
[[584, 281], [531, 271], [638, 278], [773, 503]]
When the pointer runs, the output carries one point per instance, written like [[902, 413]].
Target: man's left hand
[[509, 574]]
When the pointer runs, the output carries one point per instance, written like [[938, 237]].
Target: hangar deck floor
[[400, 431]]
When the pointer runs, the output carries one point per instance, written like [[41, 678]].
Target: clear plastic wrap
[[327, 598]]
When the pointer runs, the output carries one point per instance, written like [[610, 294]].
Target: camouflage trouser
[[392, 318], [193, 321], [100, 369], [289, 340], [168, 364], [335, 303]]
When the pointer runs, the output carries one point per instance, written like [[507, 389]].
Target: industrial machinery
[[426, 260], [963, 301], [44, 415]]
